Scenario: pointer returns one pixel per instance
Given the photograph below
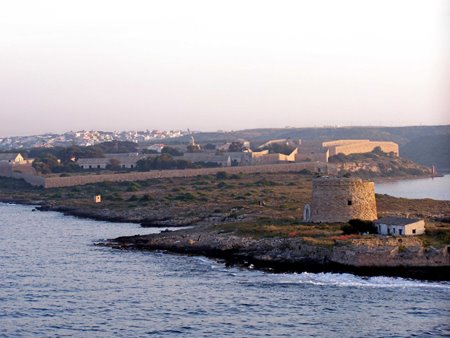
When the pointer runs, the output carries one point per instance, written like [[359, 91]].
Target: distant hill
[[429, 150], [423, 144]]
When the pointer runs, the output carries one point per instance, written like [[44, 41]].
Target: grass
[[284, 228], [283, 194], [437, 234]]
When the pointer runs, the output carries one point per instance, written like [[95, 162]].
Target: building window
[[98, 166], [393, 230], [400, 231], [413, 231], [131, 166], [349, 202], [90, 167]]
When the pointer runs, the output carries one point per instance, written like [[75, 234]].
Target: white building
[[400, 226], [125, 161]]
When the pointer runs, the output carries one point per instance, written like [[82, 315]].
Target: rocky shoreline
[[386, 256], [106, 215]]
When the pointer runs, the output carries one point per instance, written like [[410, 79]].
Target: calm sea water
[[437, 188], [55, 282]]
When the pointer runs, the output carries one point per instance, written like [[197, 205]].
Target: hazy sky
[[208, 65]]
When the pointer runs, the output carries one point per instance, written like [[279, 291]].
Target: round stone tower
[[340, 199]]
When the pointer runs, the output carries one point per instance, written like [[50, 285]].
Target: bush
[[164, 161], [265, 183], [184, 197], [133, 187], [356, 226], [146, 198], [171, 151], [221, 175]]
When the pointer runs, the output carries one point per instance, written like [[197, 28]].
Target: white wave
[[349, 280]]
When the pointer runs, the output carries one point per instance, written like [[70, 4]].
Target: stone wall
[[22, 171], [37, 181], [55, 182], [364, 147], [342, 142], [341, 199], [5, 170]]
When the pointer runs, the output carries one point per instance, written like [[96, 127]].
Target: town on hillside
[[315, 156]]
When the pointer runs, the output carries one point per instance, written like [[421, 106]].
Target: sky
[[222, 65]]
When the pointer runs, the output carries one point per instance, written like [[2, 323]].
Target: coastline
[[297, 254], [213, 206], [404, 178], [280, 254]]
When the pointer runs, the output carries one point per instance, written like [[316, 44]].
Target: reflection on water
[[55, 282], [437, 188]]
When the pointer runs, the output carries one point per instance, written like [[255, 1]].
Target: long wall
[[364, 147], [56, 182], [22, 171]]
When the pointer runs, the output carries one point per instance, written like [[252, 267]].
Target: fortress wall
[[22, 171], [387, 147], [331, 196], [37, 181], [25, 168], [311, 150], [319, 157], [6, 170], [342, 142], [56, 182], [364, 147], [268, 159]]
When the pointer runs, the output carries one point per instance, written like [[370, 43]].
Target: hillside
[[426, 145], [429, 150], [377, 164]]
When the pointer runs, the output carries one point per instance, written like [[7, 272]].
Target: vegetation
[[357, 226], [236, 147], [171, 151], [379, 163], [161, 162], [258, 205], [50, 164], [279, 148]]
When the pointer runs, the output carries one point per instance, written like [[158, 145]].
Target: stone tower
[[340, 199]]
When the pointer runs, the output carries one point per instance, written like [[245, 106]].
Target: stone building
[[400, 226], [311, 151], [125, 160], [321, 151], [340, 199]]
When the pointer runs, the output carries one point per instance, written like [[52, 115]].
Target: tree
[[113, 164], [235, 147], [194, 148], [210, 146], [356, 226], [162, 162], [46, 164], [171, 151]]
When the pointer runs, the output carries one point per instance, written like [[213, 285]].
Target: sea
[[437, 188], [55, 282]]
